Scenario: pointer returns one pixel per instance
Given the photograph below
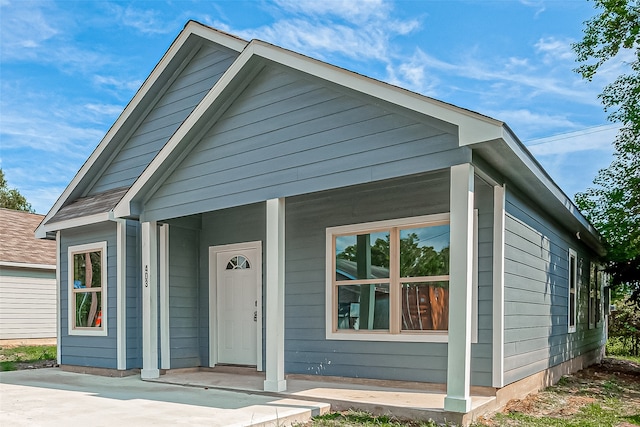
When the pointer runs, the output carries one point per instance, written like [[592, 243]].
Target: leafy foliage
[[415, 260], [11, 198], [613, 204], [624, 330]]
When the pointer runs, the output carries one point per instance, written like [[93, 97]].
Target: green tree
[[11, 198], [613, 204]]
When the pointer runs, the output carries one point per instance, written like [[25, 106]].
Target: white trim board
[[104, 284], [10, 264]]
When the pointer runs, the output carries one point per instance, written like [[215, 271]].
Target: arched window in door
[[238, 262]]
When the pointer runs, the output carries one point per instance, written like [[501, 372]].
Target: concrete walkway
[[407, 400], [51, 397]]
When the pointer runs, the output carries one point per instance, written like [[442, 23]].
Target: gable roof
[[491, 140], [192, 34], [472, 127], [19, 247]]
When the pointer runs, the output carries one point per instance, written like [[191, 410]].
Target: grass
[[10, 357], [363, 419], [606, 395]]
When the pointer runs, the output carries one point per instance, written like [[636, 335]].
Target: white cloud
[[361, 11], [104, 110], [358, 30], [24, 28], [146, 21], [412, 74], [536, 4], [123, 84], [553, 50], [598, 138], [525, 122], [318, 39], [47, 135]]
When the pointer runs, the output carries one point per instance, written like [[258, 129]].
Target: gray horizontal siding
[[235, 225], [179, 100], [306, 349], [536, 293], [286, 135], [183, 297], [86, 350], [481, 352], [134, 297]]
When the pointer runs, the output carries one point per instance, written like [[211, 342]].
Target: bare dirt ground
[[610, 389]]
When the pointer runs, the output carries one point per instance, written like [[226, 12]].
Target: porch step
[[286, 412]]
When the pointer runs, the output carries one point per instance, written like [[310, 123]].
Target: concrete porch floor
[[418, 401]]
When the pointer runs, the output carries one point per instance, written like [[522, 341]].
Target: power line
[[573, 134]]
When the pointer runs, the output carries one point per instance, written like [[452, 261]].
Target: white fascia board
[[27, 265], [192, 27], [472, 127], [73, 223], [216, 36], [532, 164], [123, 208]]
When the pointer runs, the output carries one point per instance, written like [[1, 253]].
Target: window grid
[[87, 289], [394, 280], [572, 306]]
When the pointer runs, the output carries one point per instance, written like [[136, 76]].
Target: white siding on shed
[[27, 305]]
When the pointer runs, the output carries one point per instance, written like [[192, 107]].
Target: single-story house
[[27, 280], [254, 206]]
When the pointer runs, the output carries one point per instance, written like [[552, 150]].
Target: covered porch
[[405, 400], [175, 264]]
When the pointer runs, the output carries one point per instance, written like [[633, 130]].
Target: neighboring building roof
[[18, 245]]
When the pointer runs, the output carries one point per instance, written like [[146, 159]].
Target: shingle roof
[[18, 242], [90, 205]]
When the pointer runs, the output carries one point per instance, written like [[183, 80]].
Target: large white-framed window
[[87, 285], [389, 280], [572, 306]]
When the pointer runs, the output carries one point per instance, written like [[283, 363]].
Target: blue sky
[[68, 68]]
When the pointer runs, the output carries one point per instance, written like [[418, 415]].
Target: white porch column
[[121, 294], [460, 289], [275, 297], [165, 337], [498, 285], [149, 300], [58, 290]]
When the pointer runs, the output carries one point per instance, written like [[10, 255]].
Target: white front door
[[237, 289]]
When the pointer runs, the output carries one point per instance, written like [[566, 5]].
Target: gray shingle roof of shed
[[18, 243]]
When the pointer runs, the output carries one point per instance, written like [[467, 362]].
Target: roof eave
[[533, 180], [192, 28]]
